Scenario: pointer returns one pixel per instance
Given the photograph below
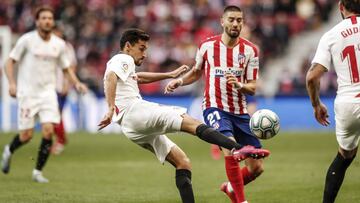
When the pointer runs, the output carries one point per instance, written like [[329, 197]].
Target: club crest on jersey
[[125, 67], [241, 58]]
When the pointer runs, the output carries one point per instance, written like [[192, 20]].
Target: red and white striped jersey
[[340, 46], [216, 59]]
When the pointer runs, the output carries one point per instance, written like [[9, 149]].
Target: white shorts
[[46, 108], [145, 123], [347, 119]]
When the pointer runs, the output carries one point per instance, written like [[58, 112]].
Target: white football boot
[[6, 158], [38, 177]]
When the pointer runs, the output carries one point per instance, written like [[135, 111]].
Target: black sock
[[183, 183], [212, 136], [15, 143], [44, 152], [334, 177]]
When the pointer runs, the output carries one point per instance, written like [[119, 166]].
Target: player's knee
[[257, 169], [25, 136], [189, 124], [184, 163], [47, 131]]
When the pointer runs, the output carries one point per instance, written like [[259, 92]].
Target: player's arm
[[70, 75], [110, 92], [149, 77], [246, 88], [190, 77], [9, 72], [313, 77]]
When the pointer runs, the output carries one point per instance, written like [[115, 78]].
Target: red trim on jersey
[[217, 79], [213, 38], [117, 111], [358, 95], [229, 57], [242, 51], [353, 20], [217, 53], [218, 93], [229, 89], [207, 78], [255, 74], [253, 46], [354, 71]]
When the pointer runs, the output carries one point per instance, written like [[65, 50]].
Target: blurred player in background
[[145, 123], [63, 87], [231, 66], [339, 47], [39, 53]]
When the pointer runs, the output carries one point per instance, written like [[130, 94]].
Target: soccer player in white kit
[[145, 123], [39, 53], [341, 47]]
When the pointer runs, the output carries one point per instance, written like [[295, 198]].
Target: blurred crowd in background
[[176, 28]]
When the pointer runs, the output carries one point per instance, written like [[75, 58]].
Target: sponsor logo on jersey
[[220, 72]]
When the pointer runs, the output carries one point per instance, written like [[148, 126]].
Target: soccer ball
[[264, 124]]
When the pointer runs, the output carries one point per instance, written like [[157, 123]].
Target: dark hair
[[42, 9], [232, 8], [351, 5], [133, 35]]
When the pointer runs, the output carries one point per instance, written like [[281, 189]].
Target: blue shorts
[[229, 124]]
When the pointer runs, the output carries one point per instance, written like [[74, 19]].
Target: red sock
[[215, 152], [60, 132], [234, 175], [247, 175]]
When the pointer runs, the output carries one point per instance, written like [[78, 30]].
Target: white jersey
[[341, 46], [70, 53], [127, 90], [38, 60]]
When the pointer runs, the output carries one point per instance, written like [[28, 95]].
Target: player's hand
[[231, 79], [321, 114], [106, 120], [172, 85], [12, 90], [80, 87], [179, 71]]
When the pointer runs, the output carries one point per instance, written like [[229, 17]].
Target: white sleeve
[[253, 66], [323, 54], [70, 51], [64, 59], [121, 66], [19, 49], [199, 60]]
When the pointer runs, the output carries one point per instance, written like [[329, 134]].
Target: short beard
[[233, 36]]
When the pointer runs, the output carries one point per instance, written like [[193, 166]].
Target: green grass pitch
[[110, 168]]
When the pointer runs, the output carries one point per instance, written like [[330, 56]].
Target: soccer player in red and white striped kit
[[231, 65]]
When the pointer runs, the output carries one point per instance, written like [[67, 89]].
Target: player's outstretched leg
[[9, 149], [335, 176], [182, 164]]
